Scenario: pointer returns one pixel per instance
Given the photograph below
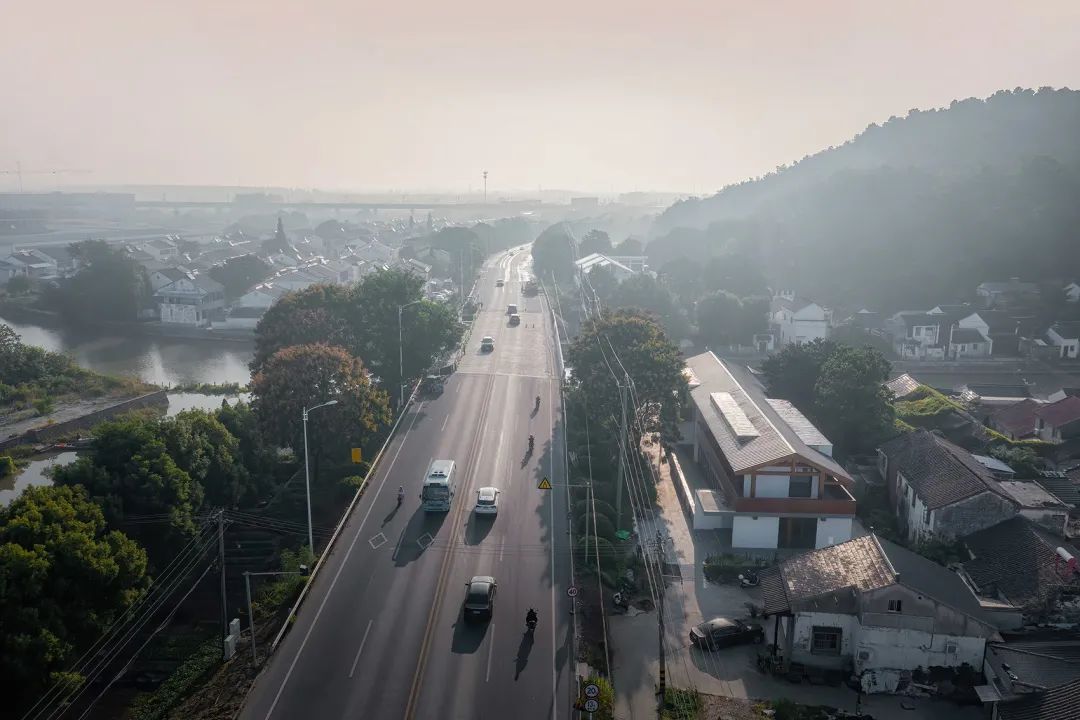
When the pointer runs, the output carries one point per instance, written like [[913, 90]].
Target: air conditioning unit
[[864, 654]]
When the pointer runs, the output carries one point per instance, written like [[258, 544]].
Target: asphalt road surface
[[381, 634]]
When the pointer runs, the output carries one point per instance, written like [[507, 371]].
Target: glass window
[[826, 641], [800, 486], [895, 605]]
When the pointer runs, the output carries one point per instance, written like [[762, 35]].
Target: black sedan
[[723, 632], [480, 597]]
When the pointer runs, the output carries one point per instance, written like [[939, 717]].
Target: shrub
[[44, 406], [156, 705], [7, 466]]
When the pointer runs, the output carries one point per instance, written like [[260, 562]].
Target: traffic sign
[[592, 690], [356, 455], [591, 705], [571, 591], [544, 484]]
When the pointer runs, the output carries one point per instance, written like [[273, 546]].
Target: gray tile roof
[[902, 385], [941, 473], [775, 440], [1059, 703], [1030, 494], [1063, 489], [1016, 560], [1037, 664], [967, 335], [932, 580]]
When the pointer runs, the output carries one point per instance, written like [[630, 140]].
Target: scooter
[[750, 579], [531, 443]]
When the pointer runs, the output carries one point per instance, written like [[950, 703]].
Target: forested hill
[[919, 207]]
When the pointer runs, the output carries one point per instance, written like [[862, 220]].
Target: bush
[[44, 406], [156, 705], [609, 555], [681, 704], [7, 466], [606, 698], [604, 527]]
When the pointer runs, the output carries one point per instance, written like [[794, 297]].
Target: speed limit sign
[[591, 705], [571, 591]]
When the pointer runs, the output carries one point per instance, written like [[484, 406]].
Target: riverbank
[[75, 417], [21, 312]]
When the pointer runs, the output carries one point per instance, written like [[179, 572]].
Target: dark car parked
[[480, 598], [723, 632]]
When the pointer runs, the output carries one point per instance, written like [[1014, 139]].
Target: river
[[161, 361]]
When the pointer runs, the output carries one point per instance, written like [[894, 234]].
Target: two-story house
[[871, 605], [161, 249], [1072, 292], [938, 490], [1066, 337], [771, 474], [796, 321], [165, 276], [943, 332], [191, 301], [31, 263]]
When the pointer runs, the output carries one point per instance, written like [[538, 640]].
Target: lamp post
[[307, 475], [401, 354], [251, 615]]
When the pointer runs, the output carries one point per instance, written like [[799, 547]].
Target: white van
[[439, 486], [511, 309]]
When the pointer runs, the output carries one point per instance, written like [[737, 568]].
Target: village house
[[590, 262], [771, 477], [938, 490], [66, 264], [1010, 294], [797, 321], [1065, 336], [165, 276], [161, 249], [946, 332], [1072, 292], [873, 608], [1032, 680], [1058, 421], [31, 263], [1016, 421], [191, 301]]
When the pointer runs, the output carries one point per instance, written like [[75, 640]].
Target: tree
[[259, 458], [792, 373], [735, 272], [129, 473], [719, 318], [1020, 458], [853, 406], [595, 241], [204, 448], [110, 285], [315, 314], [64, 578], [644, 292], [19, 285], [307, 375], [682, 276], [628, 339], [630, 247], [754, 317], [553, 253], [240, 273], [466, 251], [603, 282]]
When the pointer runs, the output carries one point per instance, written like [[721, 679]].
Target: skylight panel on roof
[[734, 416]]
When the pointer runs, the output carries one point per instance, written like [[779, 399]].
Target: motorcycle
[[750, 579], [532, 442]]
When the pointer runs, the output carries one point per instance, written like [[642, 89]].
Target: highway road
[[381, 634]]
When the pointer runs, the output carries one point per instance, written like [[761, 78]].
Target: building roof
[[1058, 703], [832, 577], [999, 391], [172, 273], [1017, 419], [798, 422], [1030, 495], [773, 439], [208, 283], [1033, 665], [1062, 412], [994, 465], [1069, 330], [902, 385], [1016, 560], [247, 311], [1063, 488], [921, 319], [794, 303], [1013, 285], [595, 260], [967, 335], [941, 473], [59, 253]]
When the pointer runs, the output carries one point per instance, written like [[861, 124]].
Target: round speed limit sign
[[591, 705], [571, 591]]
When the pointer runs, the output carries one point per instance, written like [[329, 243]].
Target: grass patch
[[925, 407], [210, 388], [156, 705], [681, 704]]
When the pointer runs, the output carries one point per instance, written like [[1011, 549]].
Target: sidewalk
[[731, 672]]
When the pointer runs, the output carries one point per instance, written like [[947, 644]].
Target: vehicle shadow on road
[[478, 529], [417, 536], [468, 636], [522, 659]]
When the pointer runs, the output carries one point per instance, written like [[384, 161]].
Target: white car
[[487, 501]]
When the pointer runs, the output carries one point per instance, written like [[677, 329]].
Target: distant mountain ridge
[[1003, 130]]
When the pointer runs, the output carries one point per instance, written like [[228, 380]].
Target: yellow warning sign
[[356, 456], [545, 484]]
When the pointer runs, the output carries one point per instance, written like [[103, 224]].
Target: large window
[[826, 641], [801, 486]]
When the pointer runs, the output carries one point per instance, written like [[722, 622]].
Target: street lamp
[[307, 474], [401, 354]]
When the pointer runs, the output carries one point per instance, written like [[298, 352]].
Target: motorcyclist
[[400, 494], [537, 402], [531, 442], [530, 617]]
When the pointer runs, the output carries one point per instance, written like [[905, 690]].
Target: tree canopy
[[595, 241], [64, 578], [239, 274], [628, 339], [644, 292], [314, 314], [110, 285], [553, 253]]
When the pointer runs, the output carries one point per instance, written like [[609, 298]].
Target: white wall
[[802, 638], [746, 532], [833, 530], [908, 649], [183, 314], [772, 486]]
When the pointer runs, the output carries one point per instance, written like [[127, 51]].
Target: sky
[[593, 95]]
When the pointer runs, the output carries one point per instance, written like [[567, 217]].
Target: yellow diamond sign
[[545, 484]]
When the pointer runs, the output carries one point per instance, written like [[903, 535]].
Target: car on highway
[[724, 632], [515, 319], [487, 344], [487, 501], [511, 309], [500, 282], [480, 597]]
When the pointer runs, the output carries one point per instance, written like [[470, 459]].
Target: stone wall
[[57, 431]]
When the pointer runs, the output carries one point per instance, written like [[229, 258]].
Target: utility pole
[[622, 453], [221, 562], [662, 685], [485, 186]]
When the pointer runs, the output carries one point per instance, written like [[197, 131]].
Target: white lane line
[[551, 524], [445, 420], [353, 670], [502, 546], [341, 567], [491, 649]]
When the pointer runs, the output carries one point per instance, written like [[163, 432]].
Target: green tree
[[19, 285], [64, 578], [110, 285], [644, 292], [130, 474], [754, 317], [259, 458], [683, 277], [1020, 458], [307, 375], [603, 282], [204, 448], [719, 318], [736, 272], [630, 247], [595, 241], [315, 314], [553, 253], [466, 250], [792, 373], [628, 339], [852, 404], [239, 274]]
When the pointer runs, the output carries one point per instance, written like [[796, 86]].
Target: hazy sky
[[595, 95]]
